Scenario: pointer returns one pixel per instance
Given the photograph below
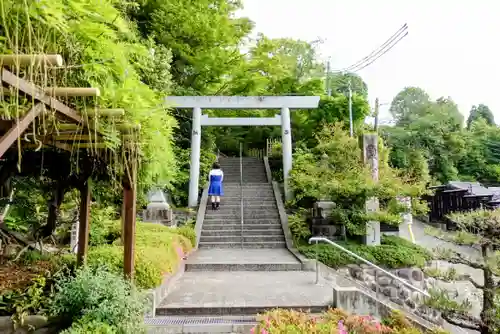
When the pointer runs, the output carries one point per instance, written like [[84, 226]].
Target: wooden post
[[129, 209], [84, 224]]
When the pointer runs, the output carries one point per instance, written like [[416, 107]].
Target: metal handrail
[[241, 191], [356, 256]]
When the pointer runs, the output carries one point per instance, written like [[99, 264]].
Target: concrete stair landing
[[221, 293], [242, 260]]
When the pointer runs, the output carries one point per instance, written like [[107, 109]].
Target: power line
[[383, 53], [379, 49], [377, 53]]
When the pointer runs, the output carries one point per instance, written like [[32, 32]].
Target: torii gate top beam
[[244, 102]]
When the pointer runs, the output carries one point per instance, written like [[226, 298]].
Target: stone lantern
[[158, 209]]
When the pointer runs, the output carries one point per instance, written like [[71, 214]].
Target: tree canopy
[[478, 112]]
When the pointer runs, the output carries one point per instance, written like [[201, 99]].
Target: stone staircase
[[261, 226], [237, 273]]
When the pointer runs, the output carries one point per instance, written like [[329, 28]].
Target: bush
[[403, 243], [104, 228], [188, 232], [394, 252], [26, 285], [158, 252], [100, 300], [299, 227], [281, 321], [84, 327]]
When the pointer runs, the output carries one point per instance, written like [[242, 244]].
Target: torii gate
[[197, 103]]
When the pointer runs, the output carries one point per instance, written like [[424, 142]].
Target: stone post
[[407, 215], [369, 155], [74, 235], [194, 170]]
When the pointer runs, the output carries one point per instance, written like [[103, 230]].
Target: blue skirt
[[215, 189]]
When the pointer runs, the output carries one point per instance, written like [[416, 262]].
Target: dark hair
[[216, 165]]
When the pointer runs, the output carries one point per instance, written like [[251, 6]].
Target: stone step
[[248, 221], [248, 185], [256, 190], [247, 211], [248, 179], [236, 218], [245, 162], [243, 267], [249, 245], [246, 171], [235, 168], [251, 195], [246, 238], [218, 215], [266, 195], [258, 172], [223, 159], [245, 232], [253, 179], [246, 199], [237, 227], [245, 176], [236, 203]]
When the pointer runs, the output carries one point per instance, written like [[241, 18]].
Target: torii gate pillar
[[286, 139], [194, 170]]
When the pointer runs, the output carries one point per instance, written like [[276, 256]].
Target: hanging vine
[[101, 49]]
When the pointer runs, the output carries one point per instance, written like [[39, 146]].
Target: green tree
[[481, 229], [480, 112], [333, 169], [339, 82], [273, 67], [307, 123], [408, 102], [481, 161], [427, 129], [204, 38]]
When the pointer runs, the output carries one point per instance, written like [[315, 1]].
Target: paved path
[[248, 289]]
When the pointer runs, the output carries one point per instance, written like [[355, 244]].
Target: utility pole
[[377, 105], [328, 89], [351, 130]]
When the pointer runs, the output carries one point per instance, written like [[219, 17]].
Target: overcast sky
[[453, 47]]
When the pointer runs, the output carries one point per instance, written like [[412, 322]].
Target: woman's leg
[[212, 199], [217, 201]]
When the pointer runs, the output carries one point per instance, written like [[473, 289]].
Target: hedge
[[158, 251], [393, 253]]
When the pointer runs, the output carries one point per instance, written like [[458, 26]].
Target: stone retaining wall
[[397, 292], [36, 324]]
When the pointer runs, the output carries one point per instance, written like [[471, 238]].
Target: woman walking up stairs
[[215, 190]]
